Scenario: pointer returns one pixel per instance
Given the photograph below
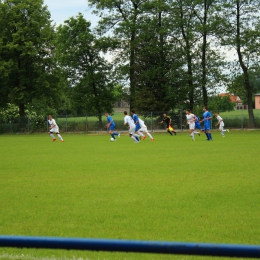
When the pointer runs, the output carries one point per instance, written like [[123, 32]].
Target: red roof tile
[[232, 97]]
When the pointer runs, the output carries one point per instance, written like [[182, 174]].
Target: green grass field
[[171, 189]]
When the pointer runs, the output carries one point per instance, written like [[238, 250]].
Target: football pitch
[[171, 190]]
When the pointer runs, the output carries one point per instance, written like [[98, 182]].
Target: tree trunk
[[21, 110], [203, 59], [245, 71], [189, 64], [100, 120], [132, 70]]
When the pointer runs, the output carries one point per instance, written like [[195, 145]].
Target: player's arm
[[109, 123], [53, 125], [137, 120], [220, 120]]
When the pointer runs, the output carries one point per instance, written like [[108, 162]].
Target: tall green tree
[[27, 71], [154, 60], [88, 73], [193, 24], [239, 32], [122, 19]]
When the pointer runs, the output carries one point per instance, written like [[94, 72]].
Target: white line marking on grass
[[28, 257]]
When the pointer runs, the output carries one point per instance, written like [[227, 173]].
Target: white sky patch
[[62, 10]]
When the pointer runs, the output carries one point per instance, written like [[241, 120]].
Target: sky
[[61, 10]]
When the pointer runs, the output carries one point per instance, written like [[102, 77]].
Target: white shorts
[[54, 130], [192, 126], [221, 126], [132, 130], [143, 129]]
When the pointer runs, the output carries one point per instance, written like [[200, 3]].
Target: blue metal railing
[[248, 251]]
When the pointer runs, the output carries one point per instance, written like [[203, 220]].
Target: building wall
[[121, 106], [257, 102], [122, 109]]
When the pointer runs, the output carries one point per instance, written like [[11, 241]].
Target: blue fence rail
[[112, 245]]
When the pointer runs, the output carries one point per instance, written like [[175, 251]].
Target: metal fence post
[[242, 119], [86, 122], [152, 121], [28, 122], [66, 123], [181, 121]]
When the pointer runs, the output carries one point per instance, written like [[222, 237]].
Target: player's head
[[216, 113], [205, 108], [106, 114], [164, 114], [187, 111], [125, 113], [132, 112], [50, 117]]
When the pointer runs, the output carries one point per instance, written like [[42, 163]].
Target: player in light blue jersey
[[207, 124], [111, 126]]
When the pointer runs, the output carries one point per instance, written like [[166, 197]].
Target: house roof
[[232, 97]]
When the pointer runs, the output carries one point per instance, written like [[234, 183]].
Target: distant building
[[238, 103], [257, 101], [121, 106]]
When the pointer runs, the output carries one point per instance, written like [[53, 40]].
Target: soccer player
[[111, 126], [197, 125], [53, 129], [221, 124], [144, 129], [137, 124], [206, 119], [191, 118], [168, 121], [128, 120]]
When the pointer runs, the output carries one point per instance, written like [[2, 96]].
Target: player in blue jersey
[[137, 124], [197, 125], [207, 124], [111, 126]]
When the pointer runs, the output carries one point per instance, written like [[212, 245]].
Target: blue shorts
[[137, 127], [198, 126], [112, 127], [207, 127]]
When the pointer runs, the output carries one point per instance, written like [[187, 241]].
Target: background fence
[[91, 122]]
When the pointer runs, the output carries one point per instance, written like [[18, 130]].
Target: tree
[[122, 18], [220, 104], [237, 85], [193, 23], [88, 74], [239, 32], [27, 71]]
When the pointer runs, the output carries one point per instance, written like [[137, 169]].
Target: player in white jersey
[[128, 120], [191, 118], [221, 124], [53, 129], [144, 129]]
